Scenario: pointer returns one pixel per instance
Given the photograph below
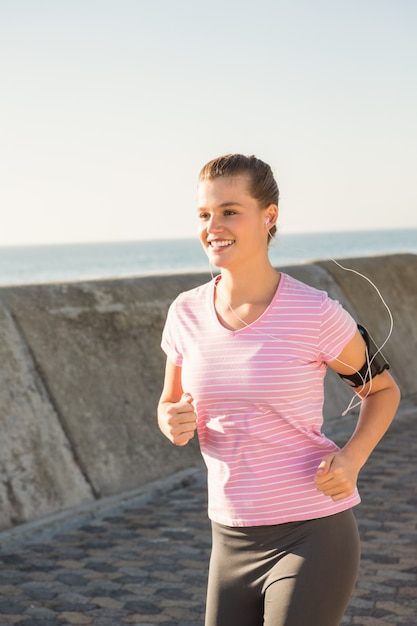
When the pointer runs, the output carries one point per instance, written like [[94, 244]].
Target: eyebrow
[[223, 205]]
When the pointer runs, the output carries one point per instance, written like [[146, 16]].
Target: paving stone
[[9, 608], [73, 617]]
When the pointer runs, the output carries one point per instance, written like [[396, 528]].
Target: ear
[[271, 216]]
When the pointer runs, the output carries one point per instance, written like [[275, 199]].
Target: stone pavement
[[142, 558]]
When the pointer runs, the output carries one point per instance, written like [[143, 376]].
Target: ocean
[[74, 262]]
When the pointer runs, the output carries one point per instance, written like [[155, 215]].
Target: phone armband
[[375, 363]]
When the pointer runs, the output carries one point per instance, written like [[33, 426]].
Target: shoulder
[[307, 300], [192, 299], [194, 294], [292, 288], [320, 315]]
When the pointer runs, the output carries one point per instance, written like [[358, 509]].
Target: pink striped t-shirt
[[258, 393]]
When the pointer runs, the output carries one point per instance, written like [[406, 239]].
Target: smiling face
[[232, 226]]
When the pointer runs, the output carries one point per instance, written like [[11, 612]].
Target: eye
[[229, 212], [203, 216]]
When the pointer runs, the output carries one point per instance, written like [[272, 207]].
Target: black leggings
[[295, 574]]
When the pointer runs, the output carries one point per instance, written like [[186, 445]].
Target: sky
[[109, 109]]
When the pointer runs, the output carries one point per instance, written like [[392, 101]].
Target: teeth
[[221, 244]]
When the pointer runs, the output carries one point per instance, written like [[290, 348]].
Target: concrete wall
[[82, 372]]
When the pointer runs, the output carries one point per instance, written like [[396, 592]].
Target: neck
[[256, 286]]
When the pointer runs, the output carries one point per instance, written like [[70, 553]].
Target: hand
[[336, 477], [180, 420]]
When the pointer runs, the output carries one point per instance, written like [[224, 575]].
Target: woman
[[246, 359]]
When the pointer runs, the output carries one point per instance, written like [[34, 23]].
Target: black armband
[[373, 365]]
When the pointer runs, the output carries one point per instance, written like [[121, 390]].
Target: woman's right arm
[[176, 416]]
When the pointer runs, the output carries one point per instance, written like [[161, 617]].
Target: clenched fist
[[178, 420]]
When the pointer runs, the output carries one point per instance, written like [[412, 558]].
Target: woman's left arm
[[337, 473]]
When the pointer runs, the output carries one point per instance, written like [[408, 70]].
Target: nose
[[214, 224]]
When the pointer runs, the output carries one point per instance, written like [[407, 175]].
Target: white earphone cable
[[368, 374]]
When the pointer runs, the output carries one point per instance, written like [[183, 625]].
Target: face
[[232, 227]]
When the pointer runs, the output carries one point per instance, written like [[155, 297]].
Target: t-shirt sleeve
[[337, 328], [169, 342]]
